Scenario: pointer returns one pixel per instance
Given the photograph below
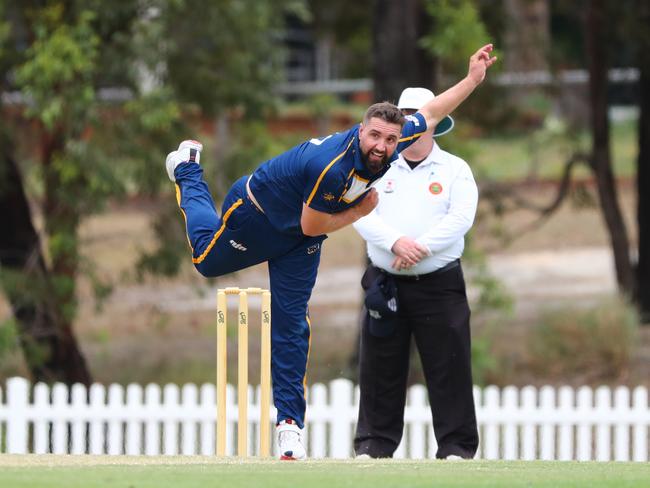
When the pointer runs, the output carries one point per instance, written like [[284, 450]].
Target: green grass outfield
[[49, 471]]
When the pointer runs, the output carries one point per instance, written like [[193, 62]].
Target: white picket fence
[[526, 423]]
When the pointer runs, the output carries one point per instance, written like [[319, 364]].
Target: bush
[[491, 309], [486, 365], [590, 346]]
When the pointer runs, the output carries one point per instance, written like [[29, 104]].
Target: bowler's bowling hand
[[368, 204], [479, 63]]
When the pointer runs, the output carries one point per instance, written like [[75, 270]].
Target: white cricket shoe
[[290, 441], [454, 457], [188, 152]]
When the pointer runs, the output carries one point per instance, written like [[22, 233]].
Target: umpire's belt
[[250, 195], [439, 271]]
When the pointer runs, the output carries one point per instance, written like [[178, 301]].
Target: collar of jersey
[[359, 166], [434, 157]]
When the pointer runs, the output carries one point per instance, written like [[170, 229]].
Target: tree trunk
[[49, 345], [596, 40], [398, 60], [643, 168], [527, 38]]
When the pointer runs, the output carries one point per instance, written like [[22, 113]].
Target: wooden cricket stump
[[242, 376]]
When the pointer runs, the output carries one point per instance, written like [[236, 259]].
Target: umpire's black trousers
[[435, 311]]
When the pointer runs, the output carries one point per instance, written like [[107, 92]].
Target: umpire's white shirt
[[435, 204]]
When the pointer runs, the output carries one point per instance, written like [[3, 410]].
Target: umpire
[[415, 287]]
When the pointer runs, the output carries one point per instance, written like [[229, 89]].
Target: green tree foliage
[[4, 35], [458, 31], [58, 69], [459, 27], [226, 54]]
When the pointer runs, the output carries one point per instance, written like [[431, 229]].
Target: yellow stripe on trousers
[[232, 208], [304, 379]]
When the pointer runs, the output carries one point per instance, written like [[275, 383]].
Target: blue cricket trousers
[[242, 237]]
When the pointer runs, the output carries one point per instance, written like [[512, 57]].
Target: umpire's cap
[[414, 98]]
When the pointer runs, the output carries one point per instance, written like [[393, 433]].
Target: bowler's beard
[[374, 166]]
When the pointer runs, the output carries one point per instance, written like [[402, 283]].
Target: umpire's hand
[[408, 252]]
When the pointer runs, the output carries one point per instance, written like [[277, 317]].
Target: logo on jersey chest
[[435, 188], [389, 186]]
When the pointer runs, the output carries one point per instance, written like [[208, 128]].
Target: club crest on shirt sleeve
[[414, 119]]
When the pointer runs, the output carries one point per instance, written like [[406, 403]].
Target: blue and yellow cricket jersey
[[327, 174]]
